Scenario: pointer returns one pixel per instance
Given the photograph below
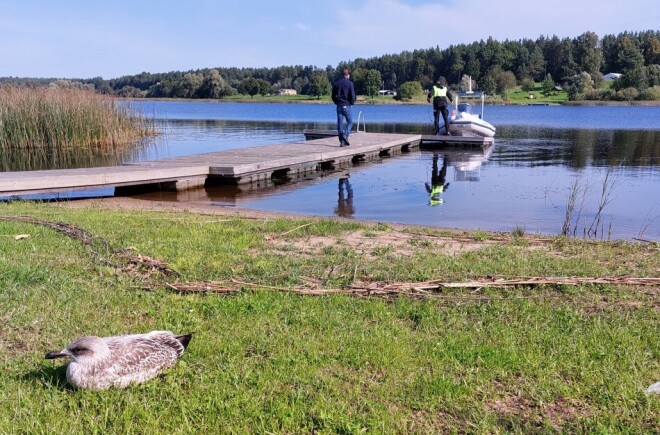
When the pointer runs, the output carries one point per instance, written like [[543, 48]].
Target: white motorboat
[[464, 122]]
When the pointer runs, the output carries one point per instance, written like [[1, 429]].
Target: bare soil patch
[[369, 245], [556, 414], [401, 239]]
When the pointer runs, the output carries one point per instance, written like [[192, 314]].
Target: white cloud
[[302, 27]]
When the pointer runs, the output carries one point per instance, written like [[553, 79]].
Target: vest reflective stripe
[[439, 92], [437, 190]]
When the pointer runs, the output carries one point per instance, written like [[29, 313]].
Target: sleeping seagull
[[98, 363]]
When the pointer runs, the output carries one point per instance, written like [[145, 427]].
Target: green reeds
[[48, 121]]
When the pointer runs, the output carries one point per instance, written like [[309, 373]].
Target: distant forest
[[576, 64]]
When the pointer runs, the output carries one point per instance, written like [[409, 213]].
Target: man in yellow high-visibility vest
[[441, 99]]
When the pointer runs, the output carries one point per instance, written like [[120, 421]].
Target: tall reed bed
[[44, 119]]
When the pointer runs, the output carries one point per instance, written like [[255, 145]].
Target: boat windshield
[[464, 108]]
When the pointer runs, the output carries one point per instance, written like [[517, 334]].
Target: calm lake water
[[541, 154]]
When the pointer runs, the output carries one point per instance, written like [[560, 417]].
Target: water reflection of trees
[[577, 148], [402, 128], [291, 127], [219, 125], [517, 145], [20, 159]]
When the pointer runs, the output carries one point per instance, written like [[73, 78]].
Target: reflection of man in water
[[438, 185], [345, 199]]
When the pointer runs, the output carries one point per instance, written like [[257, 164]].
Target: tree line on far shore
[[577, 64]]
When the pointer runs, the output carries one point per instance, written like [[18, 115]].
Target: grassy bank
[[267, 360], [324, 99], [42, 119]]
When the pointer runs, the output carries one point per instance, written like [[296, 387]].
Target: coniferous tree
[[588, 54], [629, 56], [548, 84]]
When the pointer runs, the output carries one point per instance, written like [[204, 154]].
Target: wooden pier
[[244, 165], [425, 140]]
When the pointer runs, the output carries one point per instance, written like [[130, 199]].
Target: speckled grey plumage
[[98, 363]]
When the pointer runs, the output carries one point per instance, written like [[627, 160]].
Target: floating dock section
[[320, 151]]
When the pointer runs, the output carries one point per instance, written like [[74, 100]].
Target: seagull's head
[[83, 350]]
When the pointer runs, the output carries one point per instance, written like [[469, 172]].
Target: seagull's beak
[[57, 354]]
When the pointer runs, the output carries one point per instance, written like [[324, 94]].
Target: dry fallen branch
[[147, 262], [495, 282], [534, 281], [290, 231], [136, 265], [199, 287], [466, 238], [386, 293], [99, 247], [645, 240], [69, 230], [425, 290]]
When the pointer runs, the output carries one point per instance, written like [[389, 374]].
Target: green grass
[[323, 99], [278, 98], [264, 361], [518, 96], [515, 96]]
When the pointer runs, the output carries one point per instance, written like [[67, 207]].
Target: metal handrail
[[364, 125]]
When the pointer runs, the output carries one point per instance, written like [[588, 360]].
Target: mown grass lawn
[[518, 96], [267, 360]]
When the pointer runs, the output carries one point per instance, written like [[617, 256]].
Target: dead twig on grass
[[645, 240], [421, 290], [101, 250], [199, 287], [492, 238], [386, 292], [427, 289], [290, 231], [535, 281]]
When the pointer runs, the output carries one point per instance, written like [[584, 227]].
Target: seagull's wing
[[160, 338], [142, 358], [167, 339]]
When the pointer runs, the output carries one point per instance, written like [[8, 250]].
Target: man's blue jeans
[[344, 112]]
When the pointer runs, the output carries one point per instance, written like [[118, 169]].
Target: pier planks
[[238, 165]]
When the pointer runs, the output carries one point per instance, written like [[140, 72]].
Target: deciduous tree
[[579, 86], [409, 90], [467, 83], [214, 86], [488, 85], [189, 85], [249, 86], [373, 82], [527, 84], [320, 85]]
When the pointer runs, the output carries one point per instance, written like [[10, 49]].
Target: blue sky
[[84, 39]]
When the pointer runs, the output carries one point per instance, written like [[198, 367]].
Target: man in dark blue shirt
[[343, 95]]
